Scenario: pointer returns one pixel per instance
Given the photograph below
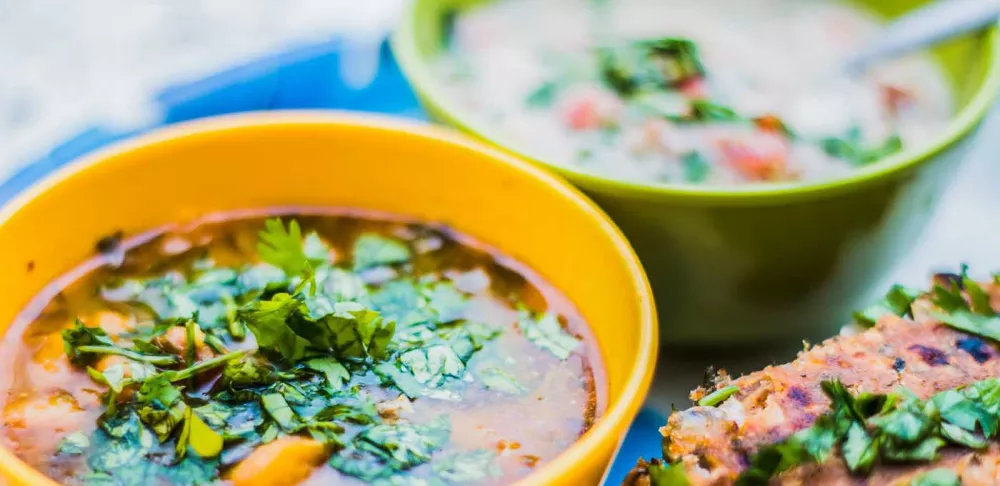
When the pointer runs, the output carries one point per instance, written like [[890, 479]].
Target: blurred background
[[69, 66]]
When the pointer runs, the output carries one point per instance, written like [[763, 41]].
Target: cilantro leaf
[[501, 381], [385, 449], [937, 477], [696, 167], [649, 65], [400, 301], [718, 396], [374, 250], [282, 247], [976, 324], [129, 460], [896, 302], [548, 334], [467, 467], [661, 474], [433, 364], [447, 302], [977, 318], [340, 285], [279, 410], [267, 319], [82, 335], [351, 330], [860, 450], [543, 96], [161, 406], [113, 377], [75, 443], [336, 374], [250, 371], [707, 111], [851, 150], [404, 382]]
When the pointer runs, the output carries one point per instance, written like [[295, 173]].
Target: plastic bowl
[[745, 265], [339, 160]]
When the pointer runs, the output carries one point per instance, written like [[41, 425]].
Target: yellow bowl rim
[[618, 415]]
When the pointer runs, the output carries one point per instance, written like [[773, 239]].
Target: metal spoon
[[925, 26]]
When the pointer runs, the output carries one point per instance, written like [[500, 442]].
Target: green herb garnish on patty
[[870, 428]]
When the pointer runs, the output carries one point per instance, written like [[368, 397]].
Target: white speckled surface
[[66, 63]]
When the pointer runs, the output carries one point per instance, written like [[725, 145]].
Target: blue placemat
[[304, 78]]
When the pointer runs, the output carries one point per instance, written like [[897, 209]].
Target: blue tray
[[303, 78]]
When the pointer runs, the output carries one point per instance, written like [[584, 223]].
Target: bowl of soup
[[765, 188], [312, 299]]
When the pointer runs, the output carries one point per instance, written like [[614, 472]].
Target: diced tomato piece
[[895, 99], [770, 123], [761, 157], [694, 88], [582, 115]]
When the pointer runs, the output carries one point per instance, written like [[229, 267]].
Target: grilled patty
[[714, 444]]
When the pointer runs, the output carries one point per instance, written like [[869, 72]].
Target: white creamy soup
[[675, 91]]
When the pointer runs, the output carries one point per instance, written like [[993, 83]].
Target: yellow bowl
[[341, 160]]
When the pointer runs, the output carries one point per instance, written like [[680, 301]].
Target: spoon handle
[[925, 26]]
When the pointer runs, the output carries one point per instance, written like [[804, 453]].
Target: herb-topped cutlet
[[910, 396], [251, 351]]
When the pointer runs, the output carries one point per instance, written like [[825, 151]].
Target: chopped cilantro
[[282, 247], [850, 148], [937, 477], [268, 320], [432, 365], [405, 382], [896, 302], [467, 467], [384, 449], [543, 96], [547, 333], [279, 410], [898, 427], [649, 65], [974, 316], [82, 335], [696, 168], [336, 374], [501, 381], [89, 352], [718, 396], [75, 443], [373, 250], [707, 111], [184, 412], [447, 302], [661, 474]]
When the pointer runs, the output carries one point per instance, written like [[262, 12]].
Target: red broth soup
[[309, 348]]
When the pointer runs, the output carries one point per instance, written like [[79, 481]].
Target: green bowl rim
[[435, 96]]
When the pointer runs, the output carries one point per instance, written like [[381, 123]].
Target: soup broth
[[313, 348], [689, 92]]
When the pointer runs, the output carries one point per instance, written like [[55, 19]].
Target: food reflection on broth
[[691, 92], [314, 348]]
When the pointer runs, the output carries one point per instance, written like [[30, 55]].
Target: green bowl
[[744, 265]]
